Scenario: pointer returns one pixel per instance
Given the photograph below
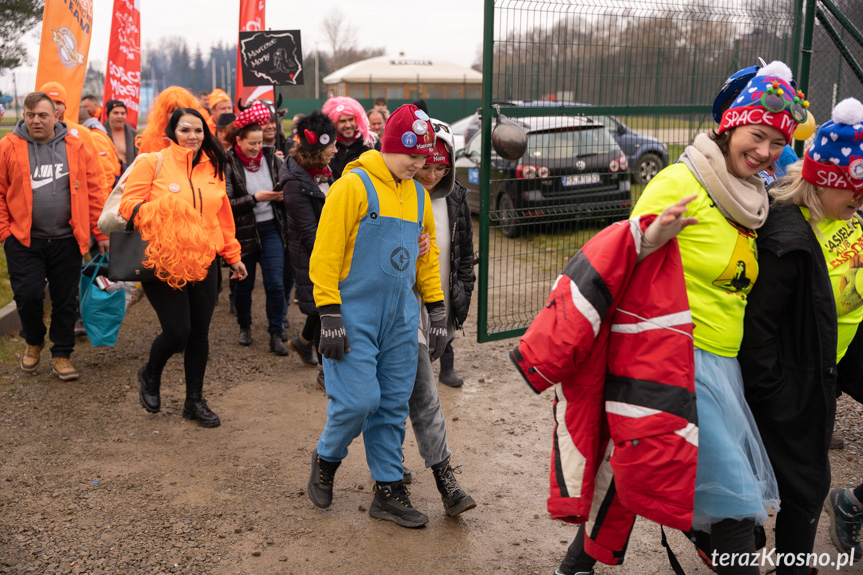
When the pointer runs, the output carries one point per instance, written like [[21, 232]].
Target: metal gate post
[[485, 171], [805, 58]]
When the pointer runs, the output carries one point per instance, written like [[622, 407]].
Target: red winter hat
[[441, 153], [408, 131], [257, 113]]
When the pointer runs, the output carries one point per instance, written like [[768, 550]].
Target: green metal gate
[[649, 71]]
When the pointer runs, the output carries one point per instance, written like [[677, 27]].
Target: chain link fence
[[609, 92]]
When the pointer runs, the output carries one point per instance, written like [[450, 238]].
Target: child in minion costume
[[364, 266]]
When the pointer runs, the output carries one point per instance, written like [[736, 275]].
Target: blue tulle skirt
[[735, 479]]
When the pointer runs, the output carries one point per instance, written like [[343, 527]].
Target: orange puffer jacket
[[16, 196], [197, 185]]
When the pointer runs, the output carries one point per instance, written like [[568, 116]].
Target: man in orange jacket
[[50, 201], [57, 92]]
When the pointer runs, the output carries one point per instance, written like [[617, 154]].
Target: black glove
[[438, 336], [334, 338]]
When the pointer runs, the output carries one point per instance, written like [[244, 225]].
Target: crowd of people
[[356, 216], [208, 185]]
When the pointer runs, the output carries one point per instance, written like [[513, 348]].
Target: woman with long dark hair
[[193, 171]]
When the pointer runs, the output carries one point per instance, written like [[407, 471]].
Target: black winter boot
[[320, 486], [151, 381], [245, 336], [455, 500], [447, 375], [196, 408], [305, 350], [276, 345], [392, 503]]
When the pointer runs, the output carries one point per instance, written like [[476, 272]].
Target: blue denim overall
[[370, 387]]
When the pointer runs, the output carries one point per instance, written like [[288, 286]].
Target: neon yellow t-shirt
[[719, 260], [842, 243]]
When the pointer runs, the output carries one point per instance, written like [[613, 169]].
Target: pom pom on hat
[[408, 131], [315, 131], [257, 113], [767, 99], [848, 111], [778, 69], [835, 158]]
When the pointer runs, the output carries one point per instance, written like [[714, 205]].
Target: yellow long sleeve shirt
[[346, 205]]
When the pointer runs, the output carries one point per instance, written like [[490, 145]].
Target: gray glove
[[334, 338], [438, 336]]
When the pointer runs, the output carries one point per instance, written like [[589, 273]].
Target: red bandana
[[251, 164]]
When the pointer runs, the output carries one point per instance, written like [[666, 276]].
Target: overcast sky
[[449, 30]]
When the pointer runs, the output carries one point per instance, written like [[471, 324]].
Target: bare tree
[[340, 36]]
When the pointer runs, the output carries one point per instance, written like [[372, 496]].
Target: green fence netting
[[609, 93]]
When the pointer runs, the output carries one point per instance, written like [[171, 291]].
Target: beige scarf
[[743, 201]]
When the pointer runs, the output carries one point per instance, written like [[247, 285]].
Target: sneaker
[[62, 368], [31, 357], [455, 500], [846, 516], [392, 503], [306, 351], [320, 486], [245, 336], [80, 330], [407, 475], [836, 442], [559, 572], [196, 409]]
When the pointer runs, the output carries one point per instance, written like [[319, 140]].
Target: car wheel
[[648, 165], [507, 216]]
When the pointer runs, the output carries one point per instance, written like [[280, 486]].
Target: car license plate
[[580, 179]]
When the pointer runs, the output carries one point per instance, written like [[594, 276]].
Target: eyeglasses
[[438, 169]]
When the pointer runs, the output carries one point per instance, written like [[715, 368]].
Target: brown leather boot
[[63, 369], [31, 357]]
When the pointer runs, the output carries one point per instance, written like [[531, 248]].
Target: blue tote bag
[[101, 310]]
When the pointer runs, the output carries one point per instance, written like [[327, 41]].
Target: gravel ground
[[92, 484]]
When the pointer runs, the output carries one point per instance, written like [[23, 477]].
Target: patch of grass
[[5, 286], [11, 348]]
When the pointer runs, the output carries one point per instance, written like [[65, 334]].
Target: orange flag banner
[[66, 29], [251, 20], [123, 77]]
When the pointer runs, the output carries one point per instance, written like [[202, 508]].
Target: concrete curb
[[9, 320]]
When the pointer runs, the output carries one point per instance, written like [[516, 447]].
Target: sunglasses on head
[[774, 102]]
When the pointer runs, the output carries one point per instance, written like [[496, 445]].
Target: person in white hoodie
[[455, 241]]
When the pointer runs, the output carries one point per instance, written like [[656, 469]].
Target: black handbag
[[127, 254]]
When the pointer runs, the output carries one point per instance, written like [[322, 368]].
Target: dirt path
[[91, 483]]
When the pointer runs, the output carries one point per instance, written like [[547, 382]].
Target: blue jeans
[[272, 260]]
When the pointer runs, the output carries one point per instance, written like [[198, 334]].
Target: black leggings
[[185, 316], [312, 329]]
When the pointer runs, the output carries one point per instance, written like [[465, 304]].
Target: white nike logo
[[47, 174]]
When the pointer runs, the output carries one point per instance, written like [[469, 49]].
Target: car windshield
[[560, 145]]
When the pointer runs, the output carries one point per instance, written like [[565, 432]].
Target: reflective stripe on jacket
[[615, 341]]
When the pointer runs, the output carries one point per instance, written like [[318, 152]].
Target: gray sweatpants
[[427, 420]]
